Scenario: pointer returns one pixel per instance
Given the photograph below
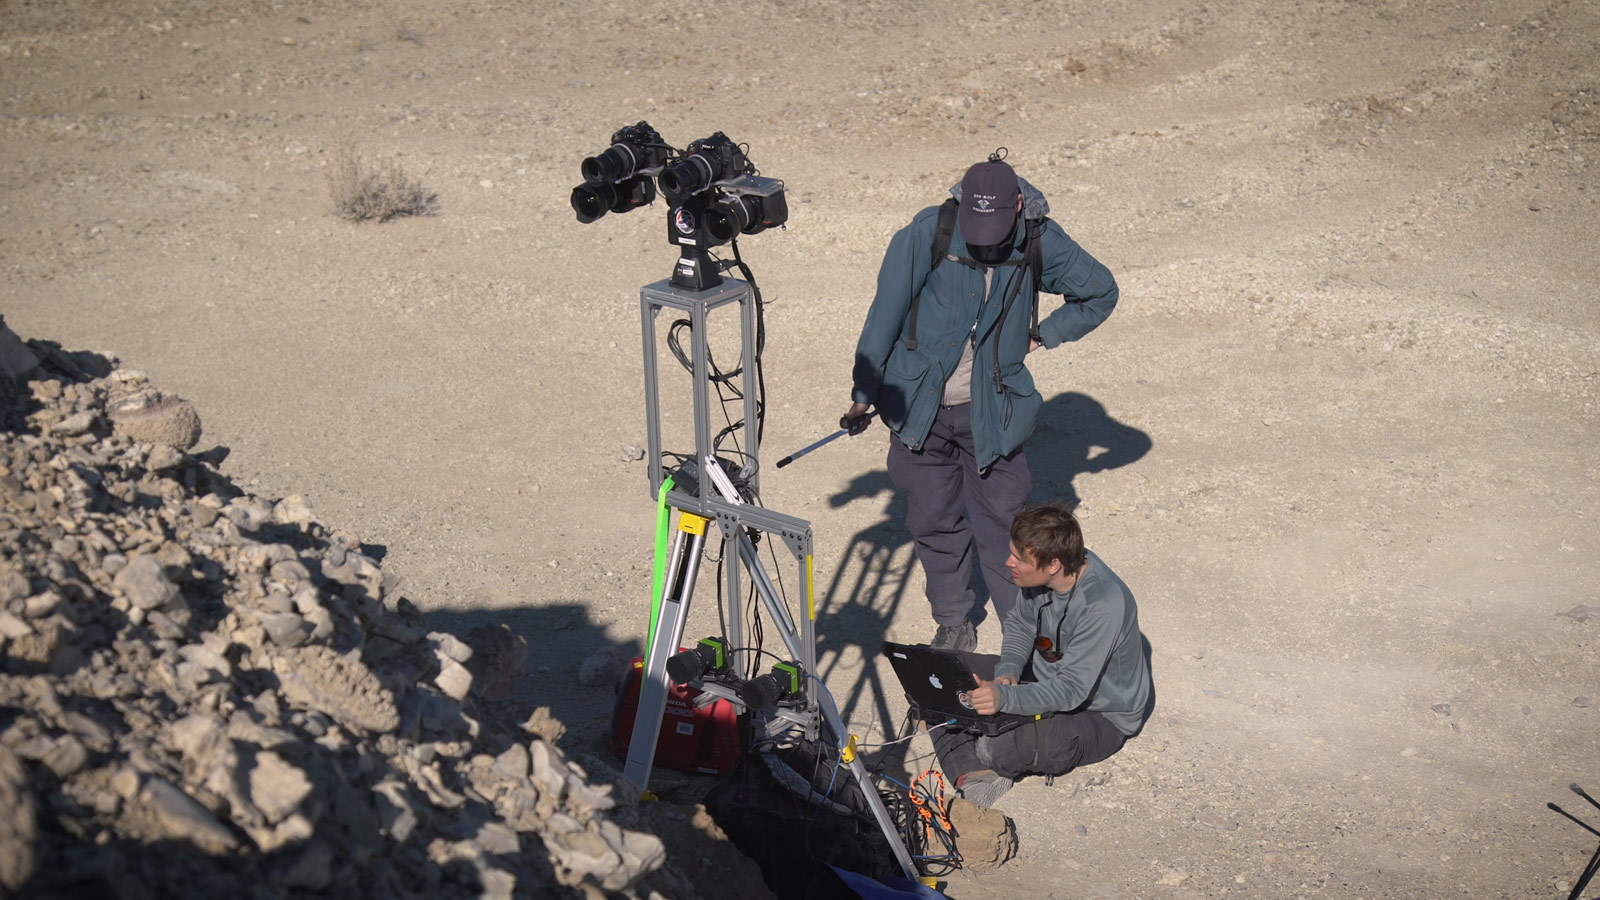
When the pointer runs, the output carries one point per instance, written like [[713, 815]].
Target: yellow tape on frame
[[811, 591], [692, 524]]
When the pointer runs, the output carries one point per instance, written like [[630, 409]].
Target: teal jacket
[[906, 386], [1104, 665]]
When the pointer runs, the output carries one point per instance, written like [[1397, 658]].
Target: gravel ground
[[1338, 436]]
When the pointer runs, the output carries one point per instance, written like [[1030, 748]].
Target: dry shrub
[[363, 189]]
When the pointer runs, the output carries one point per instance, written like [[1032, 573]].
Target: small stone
[[12, 627], [497, 837], [453, 679], [292, 510], [277, 788], [513, 763], [1173, 877], [603, 667], [185, 819], [1581, 702], [448, 646], [1409, 752], [285, 629], [1442, 709], [75, 425], [632, 453], [125, 783], [145, 583], [67, 757], [1080, 830], [164, 457]]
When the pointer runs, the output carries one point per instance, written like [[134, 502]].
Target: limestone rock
[[158, 420], [985, 838]]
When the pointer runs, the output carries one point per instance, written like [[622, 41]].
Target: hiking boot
[[962, 638], [983, 787]]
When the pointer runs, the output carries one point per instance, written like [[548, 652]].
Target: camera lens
[[728, 218], [591, 201], [614, 164], [761, 692], [688, 665], [691, 176]]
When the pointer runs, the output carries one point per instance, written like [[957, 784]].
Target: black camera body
[[635, 150], [784, 684], [705, 162], [619, 179], [751, 204]]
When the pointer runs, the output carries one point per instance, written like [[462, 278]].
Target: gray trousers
[[950, 505], [1054, 745]]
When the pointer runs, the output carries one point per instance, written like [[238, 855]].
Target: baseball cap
[[988, 202]]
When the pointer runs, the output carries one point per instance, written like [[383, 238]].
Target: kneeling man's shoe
[[983, 787], [962, 637]]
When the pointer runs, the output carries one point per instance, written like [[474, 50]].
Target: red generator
[[704, 739]]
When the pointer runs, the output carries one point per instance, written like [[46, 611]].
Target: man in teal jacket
[[1072, 656], [941, 358]]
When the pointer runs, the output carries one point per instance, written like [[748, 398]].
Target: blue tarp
[[892, 887]]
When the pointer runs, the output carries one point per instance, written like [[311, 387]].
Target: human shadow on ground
[[1074, 435]]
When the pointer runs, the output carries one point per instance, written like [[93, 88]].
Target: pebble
[[145, 583]]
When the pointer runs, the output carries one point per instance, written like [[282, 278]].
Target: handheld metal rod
[[1579, 791], [843, 430]]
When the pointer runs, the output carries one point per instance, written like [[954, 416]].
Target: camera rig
[[713, 192]]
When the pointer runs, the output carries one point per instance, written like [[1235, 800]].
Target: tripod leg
[[869, 791], [668, 633]]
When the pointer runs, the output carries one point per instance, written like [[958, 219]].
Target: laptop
[[936, 683]]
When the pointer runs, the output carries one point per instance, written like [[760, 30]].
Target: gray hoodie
[[1105, 665]]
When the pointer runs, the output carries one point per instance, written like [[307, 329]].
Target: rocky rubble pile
[[206, 693]]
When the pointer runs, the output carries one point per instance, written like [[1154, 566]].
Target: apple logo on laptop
[[934, 680]]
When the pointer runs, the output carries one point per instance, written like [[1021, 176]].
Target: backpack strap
[[941, 246], [1031, 259], [1034, 253]]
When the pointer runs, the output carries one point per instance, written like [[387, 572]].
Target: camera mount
[[713, 191]]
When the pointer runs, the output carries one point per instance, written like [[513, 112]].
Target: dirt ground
[[1339, 436]]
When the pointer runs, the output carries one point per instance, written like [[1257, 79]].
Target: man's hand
[[1033, 345], [985, 699], [856, 418]]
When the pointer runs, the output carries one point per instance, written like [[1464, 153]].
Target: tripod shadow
[[877, 562]]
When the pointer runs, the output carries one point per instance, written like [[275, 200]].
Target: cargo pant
[[1053, 745], [950, 505]]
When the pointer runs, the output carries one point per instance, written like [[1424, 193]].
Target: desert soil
[[1339, 436]]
